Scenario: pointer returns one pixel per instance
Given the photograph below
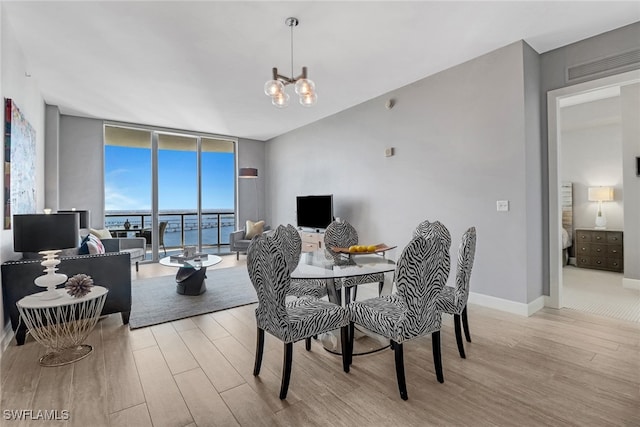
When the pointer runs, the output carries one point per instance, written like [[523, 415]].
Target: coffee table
[[191, 274]]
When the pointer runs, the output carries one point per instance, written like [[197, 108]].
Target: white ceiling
[[201, 66]]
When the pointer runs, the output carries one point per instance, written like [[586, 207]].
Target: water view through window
[[129, 186]]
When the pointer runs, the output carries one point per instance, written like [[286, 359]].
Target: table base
[[190, 281], [364, 342], [66, 355]]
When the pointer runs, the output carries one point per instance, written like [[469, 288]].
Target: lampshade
[[600, 194], [85, 216], [39, 232], [248, 173]]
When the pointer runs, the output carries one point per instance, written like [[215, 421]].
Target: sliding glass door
[[175, 189]]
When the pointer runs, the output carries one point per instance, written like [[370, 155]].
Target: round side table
[[62, 324]]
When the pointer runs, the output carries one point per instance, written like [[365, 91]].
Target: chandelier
[[305, 88]]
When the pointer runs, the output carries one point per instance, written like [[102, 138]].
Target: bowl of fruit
[[362, 249]]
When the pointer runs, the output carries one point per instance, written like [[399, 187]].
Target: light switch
[[388, 152], [502, 205]]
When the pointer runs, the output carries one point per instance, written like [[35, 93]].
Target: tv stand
[[311, 240]]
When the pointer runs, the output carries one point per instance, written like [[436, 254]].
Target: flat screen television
[[314, 211]]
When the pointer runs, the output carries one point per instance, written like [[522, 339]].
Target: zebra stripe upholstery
[[315, 288], [412, 311], [342, 234], [268, 262], [454, 300]]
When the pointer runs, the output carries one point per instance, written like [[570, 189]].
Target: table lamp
[[85, 219], [46, 234], [600, 194]]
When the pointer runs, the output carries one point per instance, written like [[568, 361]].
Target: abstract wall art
[[19, 163]]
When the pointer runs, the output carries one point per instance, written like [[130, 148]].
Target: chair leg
[[380, 287], [307, 344], [402, 384], [437, 359], [346, 347], [355, 293], [347, 296], [456, 323], [465, 324], [137, 265], [352, 330], [286, 370], [237, 256], [259, 350], [164, 249]]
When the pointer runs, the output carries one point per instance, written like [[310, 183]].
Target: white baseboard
[[631, 283], [519, 308]]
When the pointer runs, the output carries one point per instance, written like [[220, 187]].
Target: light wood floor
[[557, 367]]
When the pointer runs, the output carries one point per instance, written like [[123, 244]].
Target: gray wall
[[24, 90], [461, 143], [533, 165], [251, 192], [81, 166], [630, 106]]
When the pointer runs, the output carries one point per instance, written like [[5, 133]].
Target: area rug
[[155, 300]]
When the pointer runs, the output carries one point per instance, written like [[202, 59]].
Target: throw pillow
[[101, 234], [91, 245], [253, 229]]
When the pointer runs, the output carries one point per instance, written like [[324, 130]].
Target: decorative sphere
[[281, 100], [273, 87], [305, 87]]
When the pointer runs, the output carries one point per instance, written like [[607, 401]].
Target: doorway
[[554, 100]]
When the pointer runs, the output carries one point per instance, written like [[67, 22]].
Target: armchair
[[239, 243], [136, 247]]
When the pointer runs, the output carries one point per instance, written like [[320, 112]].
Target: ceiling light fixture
[[305, 88]]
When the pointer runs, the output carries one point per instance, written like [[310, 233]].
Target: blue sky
[[128, 179]]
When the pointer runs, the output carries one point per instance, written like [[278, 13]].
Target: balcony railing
[[182, 226]]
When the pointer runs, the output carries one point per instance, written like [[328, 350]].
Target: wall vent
[[606, 66]]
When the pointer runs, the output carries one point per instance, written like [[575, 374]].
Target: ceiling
[[201, 66]]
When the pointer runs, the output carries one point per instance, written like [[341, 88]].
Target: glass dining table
[[331, 267]]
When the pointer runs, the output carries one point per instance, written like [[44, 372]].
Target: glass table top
[[323, 265]]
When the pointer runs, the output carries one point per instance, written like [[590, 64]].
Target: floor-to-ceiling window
[[176, 189]]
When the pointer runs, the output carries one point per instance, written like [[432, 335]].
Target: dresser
[[311, 241], [601, 249]]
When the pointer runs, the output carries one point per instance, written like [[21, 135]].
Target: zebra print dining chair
[[315, 288], [342, 234], [454, 300], [291, 321], [411, 312]]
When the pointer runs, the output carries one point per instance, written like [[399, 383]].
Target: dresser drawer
[[583, 236], [583, 249], [599, 262], [598, 237], [598, 250], [311, 241], [614, 251], [615, 264], [310, 246], [614, 237], [583, 261]]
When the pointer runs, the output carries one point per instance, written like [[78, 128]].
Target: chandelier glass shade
[[304, 87]]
